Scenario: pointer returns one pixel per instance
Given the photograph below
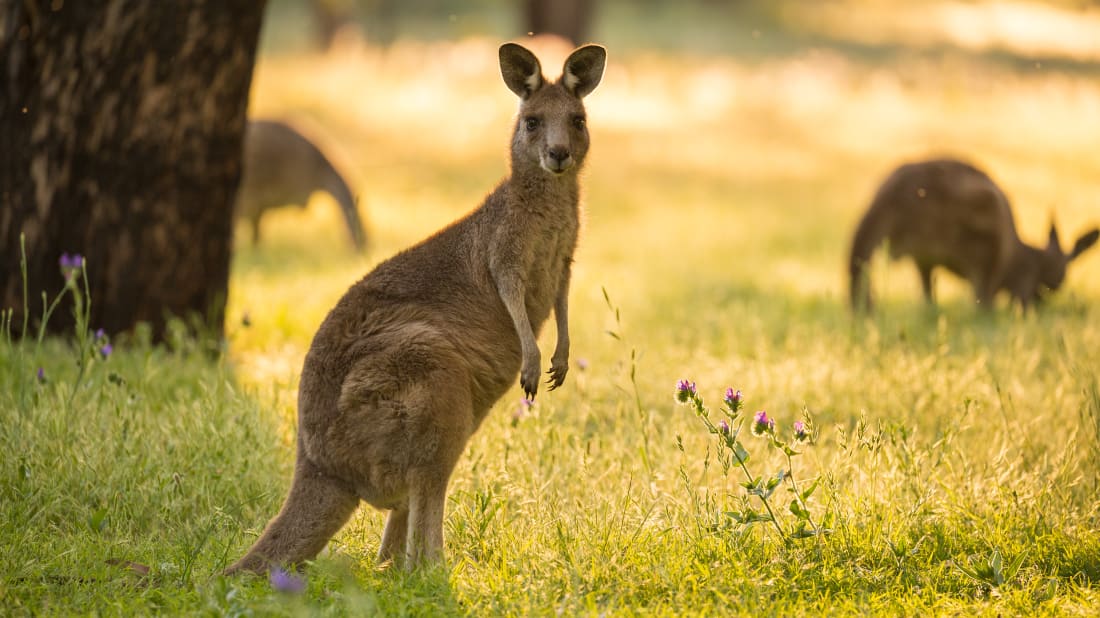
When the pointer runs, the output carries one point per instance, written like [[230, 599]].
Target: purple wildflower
[[685, 391], [70, 265], [286, 582], [724, 427], [801, 431], [733, 399], [100, 334], [522, 409], [761, 424], [41, 375], [106, 350]]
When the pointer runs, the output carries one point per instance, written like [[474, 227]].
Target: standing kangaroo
[[947, 213], [282, 167], [406, 366]]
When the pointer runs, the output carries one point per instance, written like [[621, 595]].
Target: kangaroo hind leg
[[393, 538], [316, 508], [425, 535], [445, 423], [925, 270]]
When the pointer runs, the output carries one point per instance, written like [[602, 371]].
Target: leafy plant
[[733, 454], [89, 345], [992, 572]]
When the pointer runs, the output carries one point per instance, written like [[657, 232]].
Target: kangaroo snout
[[557, 159]]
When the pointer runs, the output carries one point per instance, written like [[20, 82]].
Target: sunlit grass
[[720, 195], [1018, 27]]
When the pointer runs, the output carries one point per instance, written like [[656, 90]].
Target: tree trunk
[[567, 18], [121, 124], [331, 16]]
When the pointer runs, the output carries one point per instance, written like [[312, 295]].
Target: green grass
[[718, 228]]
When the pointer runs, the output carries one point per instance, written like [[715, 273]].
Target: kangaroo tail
[[317, 507], [348, 207], [869, 234]]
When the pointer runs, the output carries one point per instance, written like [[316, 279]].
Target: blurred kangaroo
[[282, 167], [948, 213], [406, 366]]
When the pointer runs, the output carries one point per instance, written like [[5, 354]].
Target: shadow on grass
[[712, 309]]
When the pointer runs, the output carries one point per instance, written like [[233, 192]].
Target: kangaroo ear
[[1053, 244], [583, 70], [1088, 239], [520, 69]]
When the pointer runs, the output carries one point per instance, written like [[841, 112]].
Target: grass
[[720, 196]]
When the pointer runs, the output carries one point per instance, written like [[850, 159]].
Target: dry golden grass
[[1015, 27], [720, 194], [686, 149]]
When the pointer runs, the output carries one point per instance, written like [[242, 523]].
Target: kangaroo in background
[[406, 366], [948, 213], [282, 167]]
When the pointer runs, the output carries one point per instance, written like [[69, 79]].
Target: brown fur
[[281, 167], [947, 213], [406, 366]]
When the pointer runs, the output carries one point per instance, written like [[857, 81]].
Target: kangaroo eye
[[578, 122], [532, 124]]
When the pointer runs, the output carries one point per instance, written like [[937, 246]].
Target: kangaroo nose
[[559, 153]]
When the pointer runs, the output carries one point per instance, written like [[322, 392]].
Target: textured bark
[[566, 18], [121, 124]]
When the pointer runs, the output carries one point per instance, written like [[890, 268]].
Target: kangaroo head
[[1052, 262], [550, 132]]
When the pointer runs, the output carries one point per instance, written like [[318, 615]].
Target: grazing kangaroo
[[947, 213], [406, 366], [282, 167]]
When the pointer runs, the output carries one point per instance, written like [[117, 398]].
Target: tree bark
[[331, 16], [121, 124], [567, 18]]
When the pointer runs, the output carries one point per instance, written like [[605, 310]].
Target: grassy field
[[720, 196]]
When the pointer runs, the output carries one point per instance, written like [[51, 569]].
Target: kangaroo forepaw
[[557, 375], [529, 380]]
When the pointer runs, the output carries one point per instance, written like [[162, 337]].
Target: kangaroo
[[282, 167], [406, 366], [948, 213]]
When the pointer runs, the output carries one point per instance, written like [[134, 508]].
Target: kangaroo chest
[[546, 269]]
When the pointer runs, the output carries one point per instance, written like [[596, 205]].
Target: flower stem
[[82, 312], [729, 441], [798, 496], [748, 476]]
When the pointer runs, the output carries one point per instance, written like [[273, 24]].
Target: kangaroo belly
[[966, 252], [490, 350]]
